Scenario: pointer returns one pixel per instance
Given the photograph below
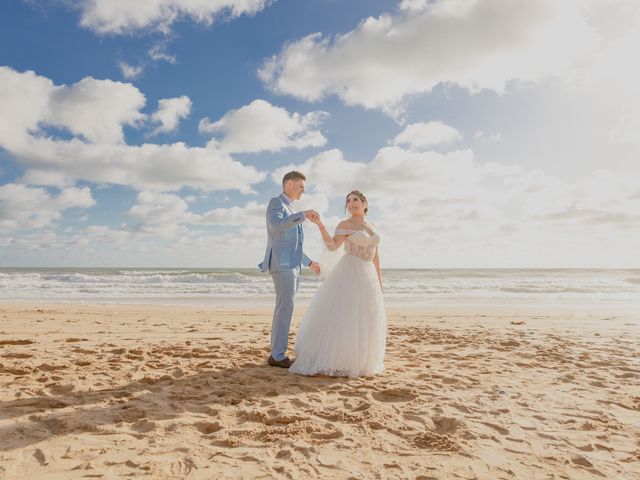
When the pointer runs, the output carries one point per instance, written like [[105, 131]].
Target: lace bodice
[[360, 243]]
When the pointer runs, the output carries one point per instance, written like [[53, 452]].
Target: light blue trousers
[[286, 285]]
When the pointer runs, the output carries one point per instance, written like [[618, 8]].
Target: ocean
[[402, 287]]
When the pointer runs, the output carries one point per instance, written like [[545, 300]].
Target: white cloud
[[313, 201], [251, 214], [419, 135], [482, 135], [146, 167], [393, 171], [413, 5], [169, 113], [325, 172], [166, 214], [130, 72], [96, 109], [261, 126], [158, 53], [25, 99], [46, 178], [440, 209], [95, 112], [159, 213], [124, 16], [611, 81], [603, 197], [476, 44], [23, 207]]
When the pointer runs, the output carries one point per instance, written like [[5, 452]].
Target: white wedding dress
[[343, 332]]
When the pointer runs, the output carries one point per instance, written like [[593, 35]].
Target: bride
[[343, 332]]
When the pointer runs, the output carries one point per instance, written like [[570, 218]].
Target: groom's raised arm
[[277, 219]]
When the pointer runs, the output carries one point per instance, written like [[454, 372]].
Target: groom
[[284, 259]]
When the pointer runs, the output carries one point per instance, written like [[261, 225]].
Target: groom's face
[[295, 189]]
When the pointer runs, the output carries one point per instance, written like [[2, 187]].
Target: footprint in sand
[[277, 418], [435, 441], [39, 456], [284, 454], [207, 428], [445, 425], [15, 371], [131, 413], [56, 426], [330, 435], [84, 351], [296, 402], [328, 457], [16, 342], [128, 463], [394, 395], [583, 462], [43, 403], [17, 355], [462, 408], [182, 467], [361, 407], [497, 428], [144, 426], [410, 417], [61, 388]]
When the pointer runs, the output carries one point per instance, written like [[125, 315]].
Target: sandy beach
[[111, 391]]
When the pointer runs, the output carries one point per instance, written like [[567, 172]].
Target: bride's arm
[[376, 262], [332, 243]]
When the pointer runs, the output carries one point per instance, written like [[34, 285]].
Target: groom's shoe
[[284, 363]]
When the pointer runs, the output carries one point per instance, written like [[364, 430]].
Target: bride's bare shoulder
[[344, 225]]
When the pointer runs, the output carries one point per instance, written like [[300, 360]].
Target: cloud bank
[[475, 44], [120, 17], [91, 115]]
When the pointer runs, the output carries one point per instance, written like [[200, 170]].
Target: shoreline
[[257, 303]]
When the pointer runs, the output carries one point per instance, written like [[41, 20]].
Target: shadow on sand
[[150, 399]]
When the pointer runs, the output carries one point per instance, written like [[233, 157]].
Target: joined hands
[[312, 215]]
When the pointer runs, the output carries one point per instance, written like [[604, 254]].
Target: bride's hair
[[358, 194]]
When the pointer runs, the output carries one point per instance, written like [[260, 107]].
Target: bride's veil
[[330, 259]]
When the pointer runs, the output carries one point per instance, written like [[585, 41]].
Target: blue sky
[[486, 133]]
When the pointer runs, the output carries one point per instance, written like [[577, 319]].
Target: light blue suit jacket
[[285, 238]]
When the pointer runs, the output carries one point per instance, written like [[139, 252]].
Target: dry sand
[[110, 391]]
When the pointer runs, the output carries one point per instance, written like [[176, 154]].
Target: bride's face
[[355, 206]]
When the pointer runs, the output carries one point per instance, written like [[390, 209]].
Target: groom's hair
[[293, 175]]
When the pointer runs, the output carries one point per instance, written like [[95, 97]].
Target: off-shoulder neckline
[[355, 231]]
